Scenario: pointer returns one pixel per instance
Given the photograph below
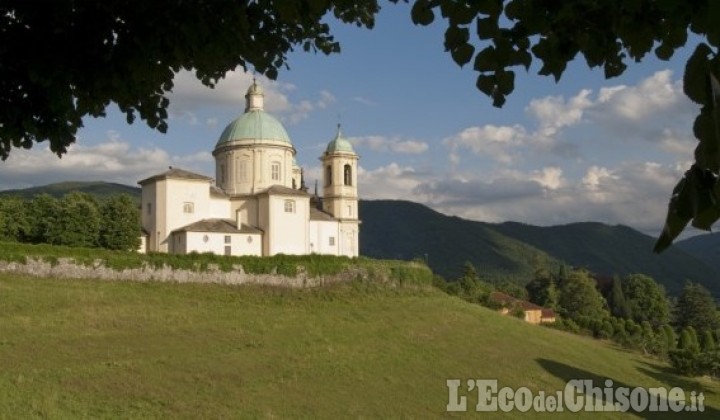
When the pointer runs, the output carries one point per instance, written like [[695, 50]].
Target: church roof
[[339, 144], [175, 173], [218, 226], [281, 190], [319, 215], [218, 192], [255, 126]]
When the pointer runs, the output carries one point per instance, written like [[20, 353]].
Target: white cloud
[[189, 95], [497, 142], [326, 98], [392, 144], [631, 193], [654, 111], [651, 95], [554, 112], [390, 181], [364, 101], [112, 161], [550, 177]]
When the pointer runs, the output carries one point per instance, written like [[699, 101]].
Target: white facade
[[257, 204]]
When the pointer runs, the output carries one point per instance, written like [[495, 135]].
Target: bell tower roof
[[339, 144]]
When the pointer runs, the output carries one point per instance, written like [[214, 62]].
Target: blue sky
[[582, 149]]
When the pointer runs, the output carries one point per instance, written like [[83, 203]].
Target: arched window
[[328, 175], [347, 175]]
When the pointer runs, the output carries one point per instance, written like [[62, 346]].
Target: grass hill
[[90, 349], [407, 230], [99, 189]]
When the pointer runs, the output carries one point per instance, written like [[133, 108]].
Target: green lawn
[[120, 349]]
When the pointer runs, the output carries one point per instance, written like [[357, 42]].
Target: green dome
[[339, 144], [254, 126]]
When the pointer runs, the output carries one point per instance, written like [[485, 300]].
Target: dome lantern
[[254, 97]]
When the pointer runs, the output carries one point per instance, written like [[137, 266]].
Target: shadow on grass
[[665, 374], [569, 373]]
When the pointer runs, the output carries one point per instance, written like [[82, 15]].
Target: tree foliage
[[542, 290], [579, 297], [646, 300], [696, 309], [121, 225], [77, 222], [616, 300], [70, 59], [76, 219]]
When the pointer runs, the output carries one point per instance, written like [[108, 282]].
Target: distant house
[[533, 313], [547, 316]]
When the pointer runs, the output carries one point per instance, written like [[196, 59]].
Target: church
[[257, 203]]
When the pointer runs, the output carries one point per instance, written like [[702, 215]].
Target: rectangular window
[[227, 239], [149, 208], [289, 206], [332, 241], [242, 171], [222, 173], [275, 171], [188, 208], [228, 250]]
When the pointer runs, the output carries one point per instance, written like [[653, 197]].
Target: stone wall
[[67, 268]]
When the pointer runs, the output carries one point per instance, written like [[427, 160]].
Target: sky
[[583, 149]]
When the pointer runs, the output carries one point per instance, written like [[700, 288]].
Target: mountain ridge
[[506, 251]]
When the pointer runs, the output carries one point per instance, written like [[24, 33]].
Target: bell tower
[[340, 164], [340, 192]]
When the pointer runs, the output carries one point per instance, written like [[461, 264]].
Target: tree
[[688, 340], [669, 336], [120, 227], [14, 224], [616, 300], [646, 299], [696, 308], [542, 290], [42, 216], [578, 297], [707, 341], [127, 53], [77, 223], [71, 59]]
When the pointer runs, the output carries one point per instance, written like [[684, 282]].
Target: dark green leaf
[[486, 84], [695, 77], [487, 28], [463, 54], [485, 60], [664, 51], [456, 36], [422, 13]]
